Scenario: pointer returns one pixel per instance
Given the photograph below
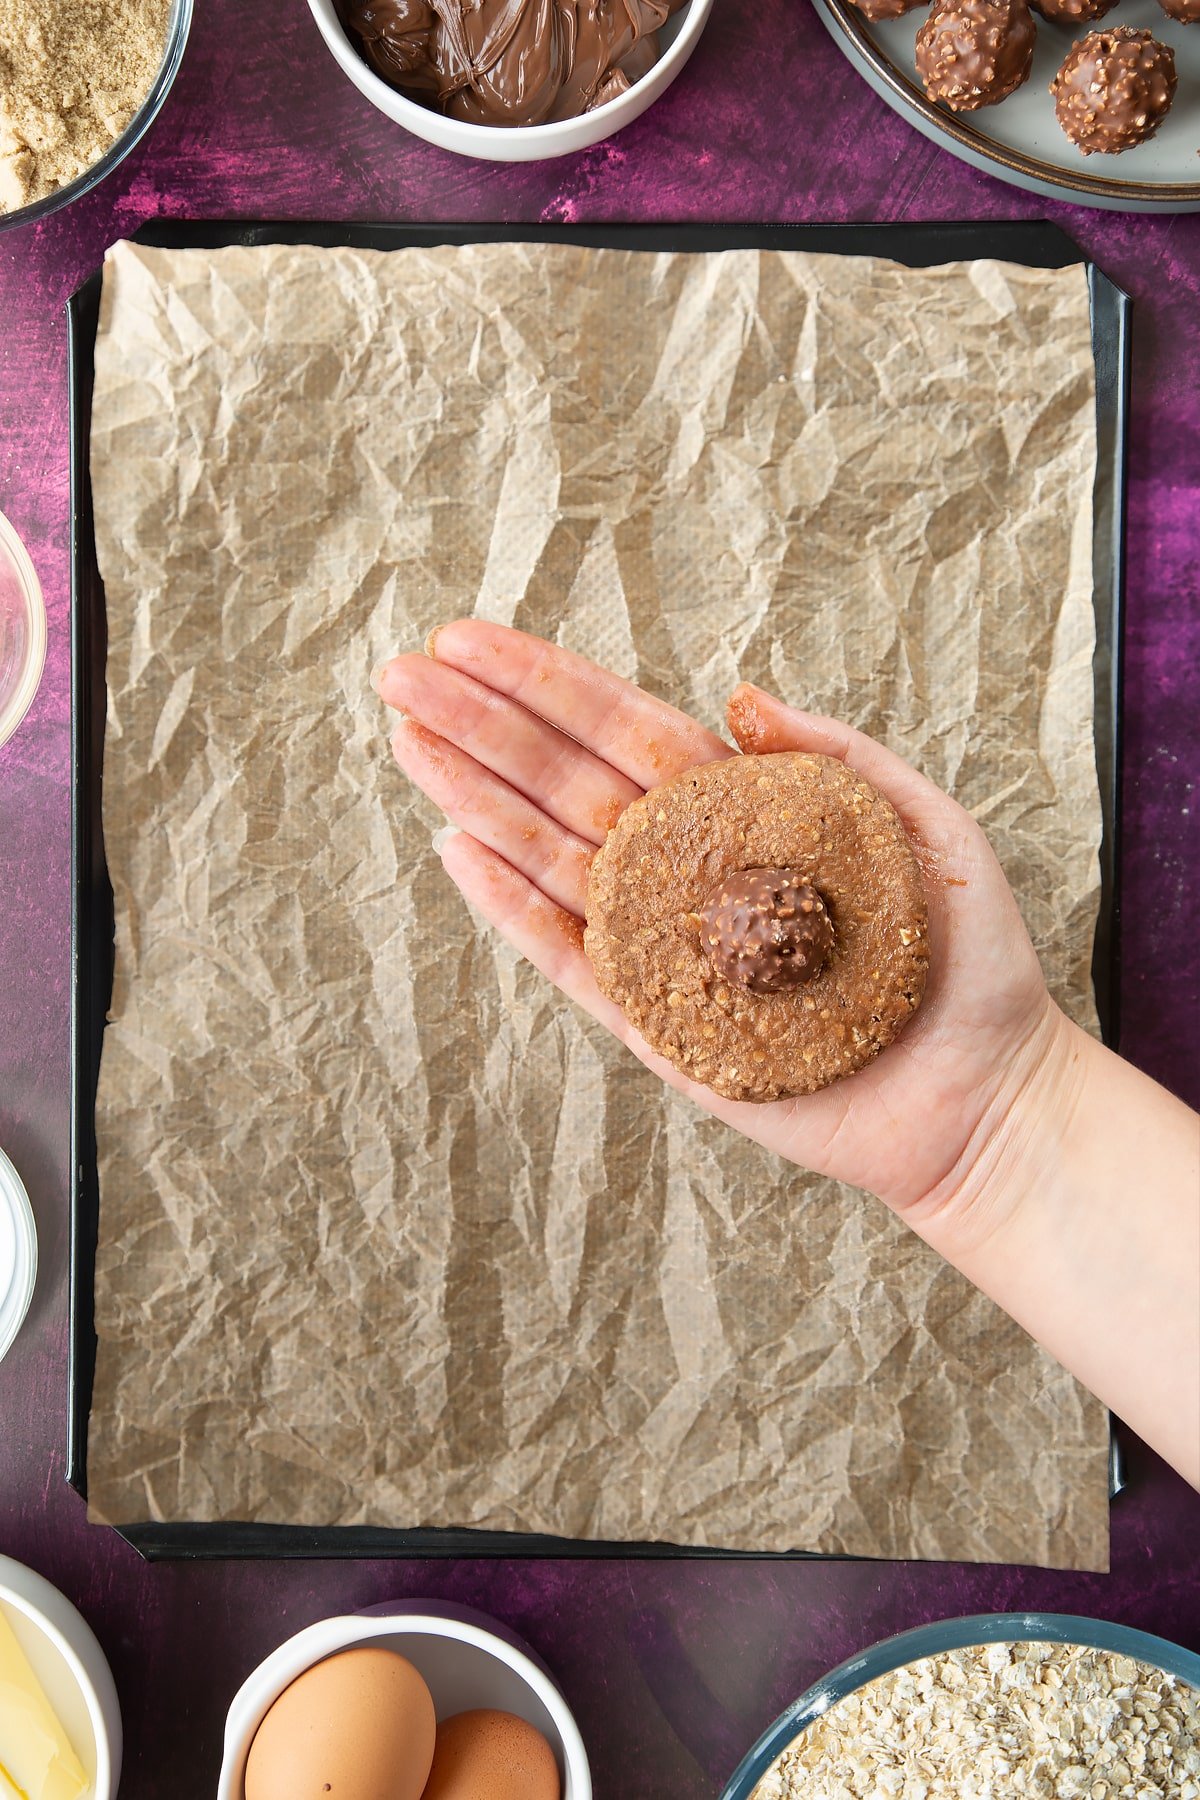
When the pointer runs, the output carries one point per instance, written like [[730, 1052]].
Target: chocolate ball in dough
[[766, 929], [726, 851], [1114, 89], [973, 53]]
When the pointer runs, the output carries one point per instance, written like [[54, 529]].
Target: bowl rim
[[107, 1763], [939, 1635], [17, 1297], [12, 711], [325, 1637], [179, 25], [554, 137]]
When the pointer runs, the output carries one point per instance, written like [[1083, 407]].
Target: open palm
[[534, 752]]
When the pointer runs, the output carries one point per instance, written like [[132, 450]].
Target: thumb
[[762, 725]]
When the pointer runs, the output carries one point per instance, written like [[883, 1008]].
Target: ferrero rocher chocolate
[[1114, 89], [973, 53], [766, 929]]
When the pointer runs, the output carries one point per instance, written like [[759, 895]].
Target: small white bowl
[[22, 630], [520, 143], [466, 1659], [72, 1669], [18, 1254]]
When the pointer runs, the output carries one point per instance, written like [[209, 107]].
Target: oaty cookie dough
[[71, 78], [761, 921]]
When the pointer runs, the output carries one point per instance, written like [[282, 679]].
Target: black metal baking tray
[[1035, 244]]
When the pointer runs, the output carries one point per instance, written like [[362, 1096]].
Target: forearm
[[1085, 1226]]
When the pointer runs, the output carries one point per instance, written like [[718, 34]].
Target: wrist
[[1020, 1139], [1077, 1213]]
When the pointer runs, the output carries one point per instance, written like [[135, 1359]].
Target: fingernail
[[377, 673], [442, 836], [431, 640]]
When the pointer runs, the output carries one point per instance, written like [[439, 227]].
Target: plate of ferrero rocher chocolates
[[1095, 101]]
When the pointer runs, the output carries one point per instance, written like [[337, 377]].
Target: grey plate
[[1020, 140]]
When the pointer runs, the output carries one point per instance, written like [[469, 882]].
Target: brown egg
[[358, 1726], [487, 1755]]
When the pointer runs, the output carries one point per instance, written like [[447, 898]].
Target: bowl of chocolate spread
[[511, 80]]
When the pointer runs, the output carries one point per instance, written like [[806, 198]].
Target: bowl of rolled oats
[[1034, 1706]]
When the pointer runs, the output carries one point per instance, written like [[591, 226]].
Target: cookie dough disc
[[654, 875]]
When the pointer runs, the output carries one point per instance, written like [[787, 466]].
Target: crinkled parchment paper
[[389, 1233]]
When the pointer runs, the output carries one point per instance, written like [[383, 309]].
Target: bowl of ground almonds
[[80, 85], [1016, 1704]]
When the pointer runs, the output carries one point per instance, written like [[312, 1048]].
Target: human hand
[[533, 753]]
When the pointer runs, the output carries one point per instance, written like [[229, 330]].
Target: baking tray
[[1035, 244]]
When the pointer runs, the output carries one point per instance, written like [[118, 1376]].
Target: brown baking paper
[[390, 1234]]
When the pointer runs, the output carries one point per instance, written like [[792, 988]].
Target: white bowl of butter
[[60, 1722]]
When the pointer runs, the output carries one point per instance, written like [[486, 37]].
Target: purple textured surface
[[672, 1667]]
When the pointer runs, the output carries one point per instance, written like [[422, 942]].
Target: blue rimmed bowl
[[932, 1640]]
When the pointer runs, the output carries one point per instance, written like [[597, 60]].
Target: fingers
[[554, 859], [544, 933], [567, 782], [552, 940], [644, 739]]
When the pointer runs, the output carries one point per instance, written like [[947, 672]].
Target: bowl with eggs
[[420, 1699]]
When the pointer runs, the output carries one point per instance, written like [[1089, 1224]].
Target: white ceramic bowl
[[22, 630], [523, 143], [18, 1254], [72, 1669], [466, 1659]]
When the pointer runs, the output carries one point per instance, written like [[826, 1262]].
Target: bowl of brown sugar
[[79, 86]]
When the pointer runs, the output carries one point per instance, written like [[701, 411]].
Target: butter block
[[37, 1761]]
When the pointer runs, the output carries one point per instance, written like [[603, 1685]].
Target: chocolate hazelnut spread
[[509, 62]]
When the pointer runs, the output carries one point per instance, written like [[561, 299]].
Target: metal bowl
[[178, 26], [951, 1634]]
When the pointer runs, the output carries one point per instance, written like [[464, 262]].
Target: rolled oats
[[1019, 1721]]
